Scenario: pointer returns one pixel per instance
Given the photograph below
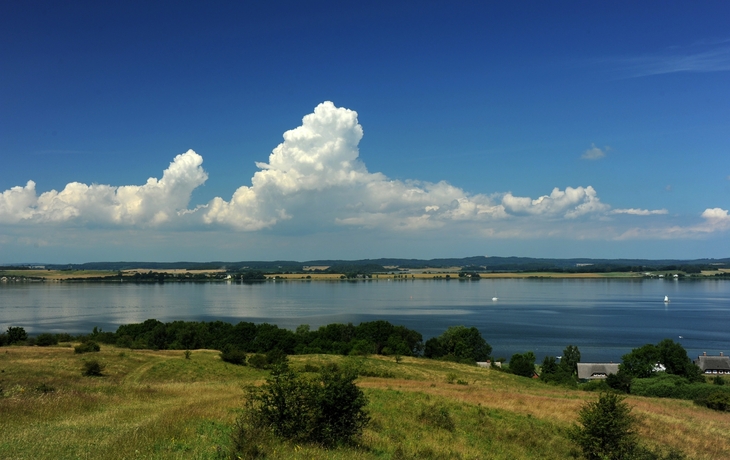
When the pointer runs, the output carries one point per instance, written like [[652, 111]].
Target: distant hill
[[476, 263]]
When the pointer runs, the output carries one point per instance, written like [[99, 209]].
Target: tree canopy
[[459, 343]]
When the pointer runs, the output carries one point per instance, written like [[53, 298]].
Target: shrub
[[87, 347], [4, 340], [233, 356], [188, 353], [523, 364], [46, 339], [258, 361], [606, 430], [16, 334], [93, 368], [124, 341], [717, 400], [328, 410]]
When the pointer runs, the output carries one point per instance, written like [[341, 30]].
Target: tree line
[[457, 343]]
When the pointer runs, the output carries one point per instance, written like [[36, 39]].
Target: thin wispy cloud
[[640, 212], [696, 58]]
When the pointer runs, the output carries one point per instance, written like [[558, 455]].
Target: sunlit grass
[[159, 405]]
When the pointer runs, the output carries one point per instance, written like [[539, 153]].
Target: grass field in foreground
[[158, 405]]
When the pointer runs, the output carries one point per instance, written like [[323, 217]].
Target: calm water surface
[[605, 318]]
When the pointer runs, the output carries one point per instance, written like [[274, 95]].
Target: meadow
[[160, 405]]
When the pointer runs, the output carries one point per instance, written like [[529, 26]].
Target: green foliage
[[571, 358], [718, 380], [459, 343], [16, 334], [606, 429], [552, 372], [46, 339], [231, 355], [258, 361], [362, 348], [620, 381], [328, 410], [437, 416], [93, 368], [87, 347], [523, 364], [717, 400], [674, 386], [642, 362], [188, 353]]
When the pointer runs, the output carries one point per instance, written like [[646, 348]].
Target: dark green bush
[[16, 334], [87, 347], [328, 410], [234, 356], [46, 339], [606, 429], [124, 341], [258, 361], [93, 368], [522, 364], [674, 386], [717, 400]]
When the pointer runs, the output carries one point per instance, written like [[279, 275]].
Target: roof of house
[[587, 371], [713, 362]]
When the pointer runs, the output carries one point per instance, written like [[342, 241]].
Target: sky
[[282, 130]]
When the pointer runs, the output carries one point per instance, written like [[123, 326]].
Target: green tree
[[16, 334], [523, 364], [620, 381], [674, 358], [459, 343], [571, 358], [640, 362], [606, 429]]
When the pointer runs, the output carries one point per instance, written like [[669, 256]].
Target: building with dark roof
[[714, 364], [595, 371]]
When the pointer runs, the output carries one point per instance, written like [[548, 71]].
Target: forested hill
[[476, 263]]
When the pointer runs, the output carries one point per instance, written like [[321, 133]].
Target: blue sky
[[156, 130]]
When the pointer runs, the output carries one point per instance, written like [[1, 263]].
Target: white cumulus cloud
[[315, 181], [595, 153], [570, 203], [316, 171], [154, 203]]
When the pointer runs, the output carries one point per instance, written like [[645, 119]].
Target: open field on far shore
[[435, 274], [61, 275], [58, 275], [159, 405]]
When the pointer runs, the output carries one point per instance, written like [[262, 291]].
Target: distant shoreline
[[143, 275]]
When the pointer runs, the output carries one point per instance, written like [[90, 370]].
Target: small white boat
[[666, 299], [494, 299]]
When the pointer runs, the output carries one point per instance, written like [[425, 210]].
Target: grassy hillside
[[159, 405]]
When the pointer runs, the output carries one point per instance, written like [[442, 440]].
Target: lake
[[605, 318]]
